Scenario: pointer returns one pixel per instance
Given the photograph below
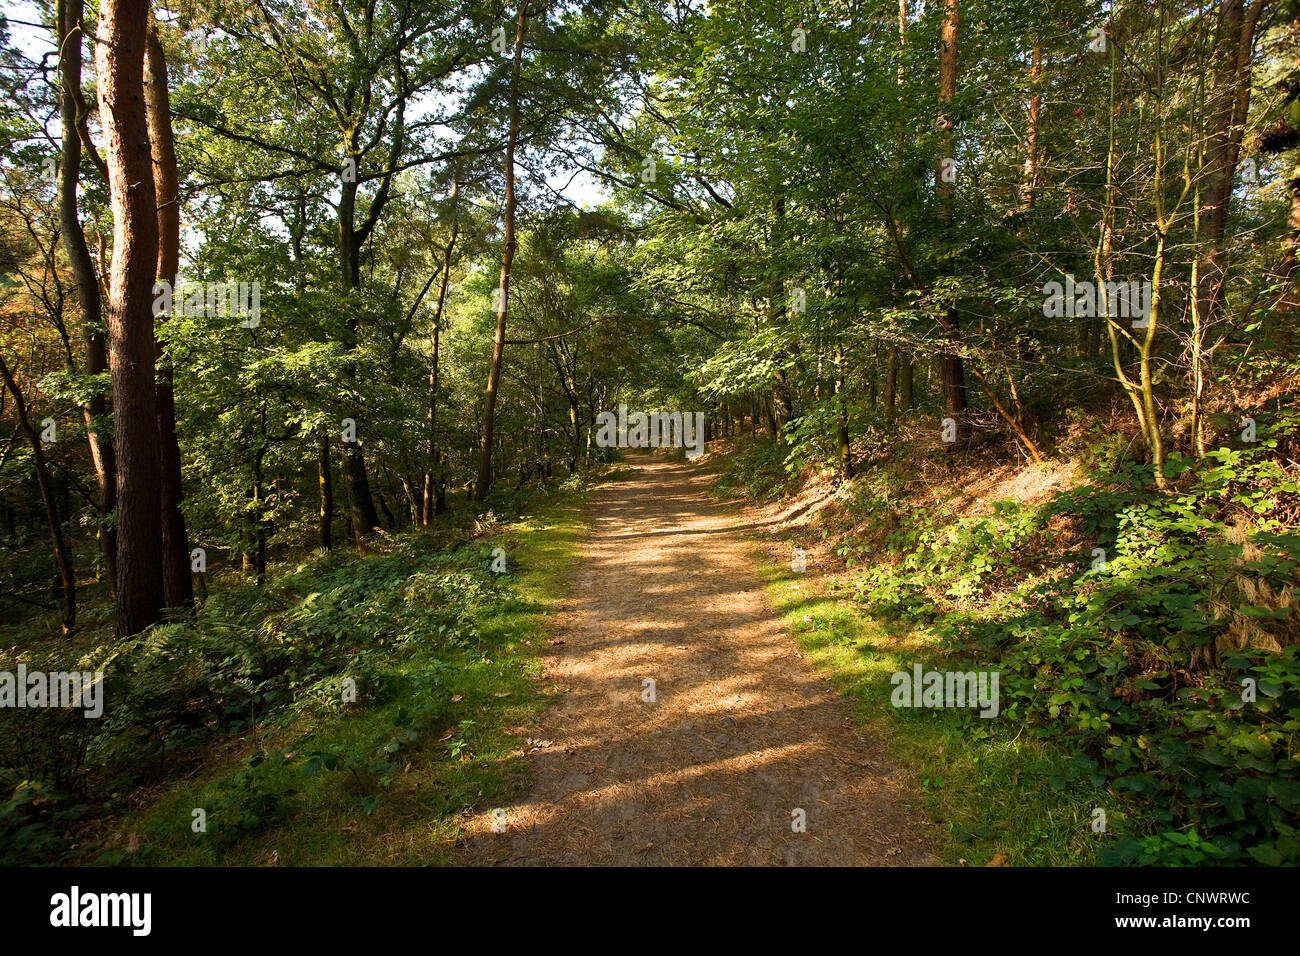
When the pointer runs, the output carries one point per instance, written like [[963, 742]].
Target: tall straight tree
[[119, 68], [507, 260], [1230, 104], [434, 500], [178, 587], [951, 370]]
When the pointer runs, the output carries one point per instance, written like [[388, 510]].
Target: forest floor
[[740, 735]]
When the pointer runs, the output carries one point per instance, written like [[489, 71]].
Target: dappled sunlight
[[689, 729]]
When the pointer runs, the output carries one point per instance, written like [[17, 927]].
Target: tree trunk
[[94, 344], [178, 587], [844, 451], [1196, 342], [891, 381], [507, 260], [952, 375], [119, 62], [325, 479], [1286, 271], [351, 239], [769, 409], [947, 90], [365, 517], [434, 500], [1029, 182], [257, 516], [389, 517], [1230, 103]]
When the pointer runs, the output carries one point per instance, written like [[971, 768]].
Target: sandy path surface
[[741, 732]]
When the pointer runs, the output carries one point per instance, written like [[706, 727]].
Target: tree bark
[[94, 343], [178, 586], [351, 239], [364, 516], [1230, 103], [325, 479], [507, 260], [947, 90], [1029, 183], [1290, 243], [891, 381], [435, 496], [951, 372], [119, 62], [844, 450]]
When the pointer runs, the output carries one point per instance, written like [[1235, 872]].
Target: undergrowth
[[354, 695], [1145, 635]]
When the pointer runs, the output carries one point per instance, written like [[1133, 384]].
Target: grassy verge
[[433, 731], [995, 793]]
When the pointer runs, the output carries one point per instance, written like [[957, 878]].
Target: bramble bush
[[1171, 667]]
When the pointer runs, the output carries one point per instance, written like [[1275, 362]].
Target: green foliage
[[251, 661], [31, 821], [1133, 662], [758, 471]]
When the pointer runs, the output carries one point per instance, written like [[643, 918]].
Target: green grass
[[988, 787], [408, 767]]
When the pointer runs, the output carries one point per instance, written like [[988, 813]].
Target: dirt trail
[[742, 731]]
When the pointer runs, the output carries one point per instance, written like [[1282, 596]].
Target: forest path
[[741, 733]]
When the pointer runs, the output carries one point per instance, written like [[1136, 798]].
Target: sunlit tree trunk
[[178, 587], [952, 373], [119, 62], [1029, 181], [507, 260]]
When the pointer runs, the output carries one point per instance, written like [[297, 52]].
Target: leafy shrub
[[1144, 663], [253, 657]]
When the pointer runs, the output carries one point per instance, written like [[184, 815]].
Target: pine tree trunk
[[119, 61], [178, 586], [1230, 99]]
